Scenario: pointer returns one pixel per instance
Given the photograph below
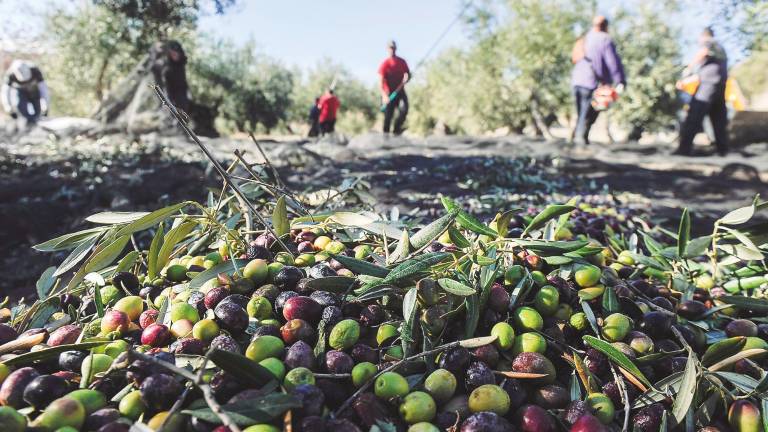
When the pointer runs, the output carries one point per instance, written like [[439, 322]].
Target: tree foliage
[[651, 56], [516, 69], [249, 91]]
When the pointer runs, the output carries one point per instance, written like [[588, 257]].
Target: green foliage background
[[514, 73]]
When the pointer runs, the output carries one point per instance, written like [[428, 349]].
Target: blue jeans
[[25, 99], [586, 114]]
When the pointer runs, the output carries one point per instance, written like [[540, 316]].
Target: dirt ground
[[50, 183]]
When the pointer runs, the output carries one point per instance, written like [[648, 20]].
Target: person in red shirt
[[328, 105], [394, 74]]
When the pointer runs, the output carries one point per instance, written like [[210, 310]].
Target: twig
[[236, 189], [136, 248], [266, 160], [176, 407], [198, 382], [333, 376], [282, 189], [624, 396]]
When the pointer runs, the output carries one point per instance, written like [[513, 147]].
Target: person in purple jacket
[[596, 63]]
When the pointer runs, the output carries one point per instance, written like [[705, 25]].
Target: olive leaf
[[697, 246], [433, 231], [154, 249], [261, 409], [150, 219], [245, 370], [104, 255], [361, 267], [410, 307], [170, 241], [45, 283], [550, 212], [280, 217], [227, 267], [477, 342], [465, 220], [456, 288], [457, 238], [688, 385], [115, 218], [575, 388], [50, 352], [683, 234], [68, 241], [472, 306], [403, 248], [414, 266], [738, 216], [77, 255], [127, 261], [590, 316], [334, 284], [617, 357], [742, 252], [557, 247], [610, 301], [746, 303]]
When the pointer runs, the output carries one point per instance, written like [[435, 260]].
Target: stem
[[713, 253], [624, 396], [266, 160], [236, 189]]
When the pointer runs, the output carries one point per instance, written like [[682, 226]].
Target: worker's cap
[[391, 44], [21, 70]]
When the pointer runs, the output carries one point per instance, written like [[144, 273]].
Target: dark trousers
[[400, 103], [25, 100], [586, 115], [327, 126], [718, 115]]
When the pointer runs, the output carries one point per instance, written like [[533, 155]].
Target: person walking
[[329, 105], [596, 66], [394, 74], [711, 65], [24, 92]]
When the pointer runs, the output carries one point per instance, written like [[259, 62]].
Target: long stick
[[222, 172], [266, 160]]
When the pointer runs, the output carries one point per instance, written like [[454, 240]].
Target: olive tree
[[650, 51]]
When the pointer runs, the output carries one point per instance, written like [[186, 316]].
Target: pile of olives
[[347, 362]]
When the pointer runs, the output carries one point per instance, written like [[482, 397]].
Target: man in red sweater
[[394, 74], [328, 105]]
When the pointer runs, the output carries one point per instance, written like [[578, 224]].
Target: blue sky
[[353, 32]]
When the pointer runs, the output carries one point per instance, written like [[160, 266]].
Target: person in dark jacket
[[596, 63], [169, 68], [314, 119], [24, 92], [711, 65]]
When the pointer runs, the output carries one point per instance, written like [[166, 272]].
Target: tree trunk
[[538, 120], [100, 79]]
